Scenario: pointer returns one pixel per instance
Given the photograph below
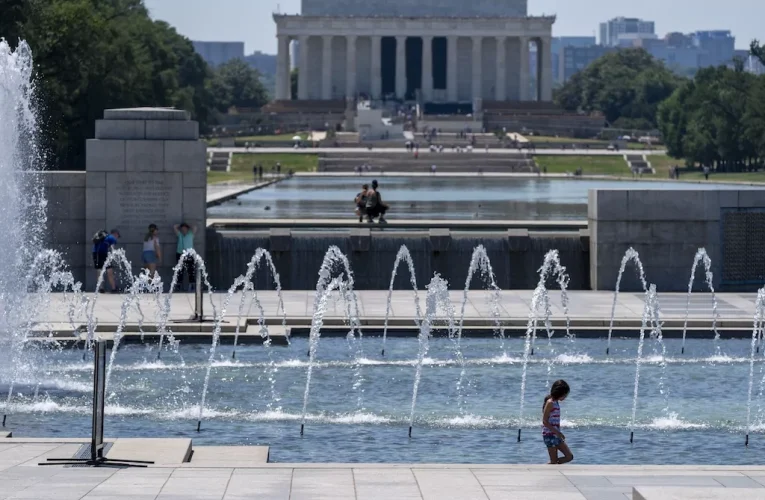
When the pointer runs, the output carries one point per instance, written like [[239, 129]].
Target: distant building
[[264, 63], [217, 53], [558, 43], [610, 30], [575, 59], [717, 47], [628, 40]]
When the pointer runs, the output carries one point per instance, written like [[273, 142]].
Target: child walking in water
[[553, 437]]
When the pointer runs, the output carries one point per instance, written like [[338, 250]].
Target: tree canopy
[[627, 86], [717, 119], [91, 55]]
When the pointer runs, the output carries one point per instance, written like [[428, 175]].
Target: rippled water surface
[[700, 420]]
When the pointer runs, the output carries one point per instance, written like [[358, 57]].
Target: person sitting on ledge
[[375, 206]]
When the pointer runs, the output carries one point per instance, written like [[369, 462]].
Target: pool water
[[480, 198], [690, 411]]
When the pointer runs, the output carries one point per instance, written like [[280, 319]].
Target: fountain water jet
[[630, 255], [648, 313], [438, 294], [317, 322], [759, 317], [702, 256], [536, 299], [402, 255]]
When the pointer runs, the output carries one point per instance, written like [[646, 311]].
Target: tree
[[627, 86], [96, 54], [237, 84], [757, 51]]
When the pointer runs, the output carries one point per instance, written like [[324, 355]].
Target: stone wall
[[668, 227], [145, 166], [420, 8], [515, 256], [65, 193]]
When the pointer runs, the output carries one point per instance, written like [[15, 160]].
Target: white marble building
[[444, 51]]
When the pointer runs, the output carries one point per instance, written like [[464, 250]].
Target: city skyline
[[206, 21]]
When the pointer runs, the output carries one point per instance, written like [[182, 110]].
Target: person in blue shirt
[[102, 245]]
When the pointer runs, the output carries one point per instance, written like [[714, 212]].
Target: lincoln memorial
[[429, 51]]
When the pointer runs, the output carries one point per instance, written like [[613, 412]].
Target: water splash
[[630, 255], [702, 256], [403, 255], [649, 310]]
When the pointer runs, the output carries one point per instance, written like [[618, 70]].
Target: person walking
[[152, 253], [185, 234], [102, 245]]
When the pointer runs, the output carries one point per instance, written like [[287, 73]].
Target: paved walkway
[[424, 152], [590, 309], [21, 477], [224, 191]]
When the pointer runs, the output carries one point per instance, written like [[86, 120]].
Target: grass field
[[590, 165], [241, 165]]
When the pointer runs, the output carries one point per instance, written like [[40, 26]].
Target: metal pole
[[199, 299]]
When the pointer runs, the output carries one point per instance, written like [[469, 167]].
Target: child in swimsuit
[[551, 434]]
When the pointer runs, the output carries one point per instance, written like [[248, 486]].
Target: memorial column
[[451, 68], [376, 67], [401, 67], [350, 77], [500, 89], [326, 77], [303, 68], [544, 53], [283, 69], [523, 74], [427, 68], [477, 74]]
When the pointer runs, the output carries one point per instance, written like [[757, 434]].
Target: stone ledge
[[696, 493], [146, 114]]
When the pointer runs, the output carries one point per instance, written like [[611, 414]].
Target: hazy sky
[[250, 20]]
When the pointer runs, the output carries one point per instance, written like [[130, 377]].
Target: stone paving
[[21, 477], [425, 153], [587, 308]]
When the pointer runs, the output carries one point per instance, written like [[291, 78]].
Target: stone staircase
[[639, 164], [219, 162]]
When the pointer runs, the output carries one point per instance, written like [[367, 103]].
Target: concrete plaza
[[589, 312], [226, 473]]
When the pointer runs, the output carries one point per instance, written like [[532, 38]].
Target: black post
[[302, 426], [199, 425], [682, 350], [383, 353], [632, 436], [199, 314], [608, 351], [746, 443], [519, 435], [410, 431], [4, 417]]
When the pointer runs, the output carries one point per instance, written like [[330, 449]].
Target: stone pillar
[[326, 68], [283, 68], [523, 73], [427, 68], [500, 93], [477, 74], [401, 67], [145, 166], [451, 68], [350, 84], [544, 54], [303, 68], [376, 67]]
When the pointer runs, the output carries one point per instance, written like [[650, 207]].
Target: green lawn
[[590, 165], [241, 165]]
